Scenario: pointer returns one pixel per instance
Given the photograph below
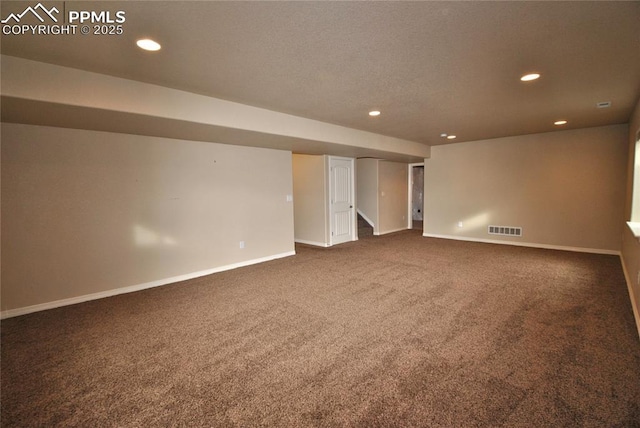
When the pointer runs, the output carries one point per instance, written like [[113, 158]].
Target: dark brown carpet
[[398, 330]]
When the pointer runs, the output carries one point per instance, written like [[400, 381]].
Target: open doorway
[[416, 196]]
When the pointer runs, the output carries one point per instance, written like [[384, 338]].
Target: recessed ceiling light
[[530, 77], [374, 113], [443, 135], [451, 137], [560, 122], [148, 45]]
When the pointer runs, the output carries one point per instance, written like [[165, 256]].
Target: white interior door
[[341, 194]]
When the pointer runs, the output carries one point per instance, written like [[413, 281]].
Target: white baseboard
[[525, 244], [390, 231], [138, 287], [314, 243], [634, 306]]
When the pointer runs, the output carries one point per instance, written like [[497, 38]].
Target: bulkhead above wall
[[44, 94]]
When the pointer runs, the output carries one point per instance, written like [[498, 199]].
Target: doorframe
[[410, 198], [352, 189]]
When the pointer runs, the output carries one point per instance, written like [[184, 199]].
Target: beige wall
[[382, 189], [564, 188], [631, 244], [393, 195], [632, 208], [367, 190], [87, 212], [634, 174], [310, 199], [631, 258]]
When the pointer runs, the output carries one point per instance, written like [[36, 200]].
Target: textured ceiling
[[430, 67]]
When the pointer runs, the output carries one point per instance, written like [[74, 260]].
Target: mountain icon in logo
[[33, 11]]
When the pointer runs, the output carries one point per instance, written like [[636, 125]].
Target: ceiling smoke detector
[[604, 104]]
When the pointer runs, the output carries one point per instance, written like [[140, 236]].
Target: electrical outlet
[[459, 224], [289, 198], [241, 244]]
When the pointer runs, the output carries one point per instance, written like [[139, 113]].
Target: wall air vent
[[505, 230]]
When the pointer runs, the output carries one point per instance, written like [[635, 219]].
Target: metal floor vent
[[505, 230]]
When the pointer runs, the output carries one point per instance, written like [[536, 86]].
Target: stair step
[[364, 228]]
